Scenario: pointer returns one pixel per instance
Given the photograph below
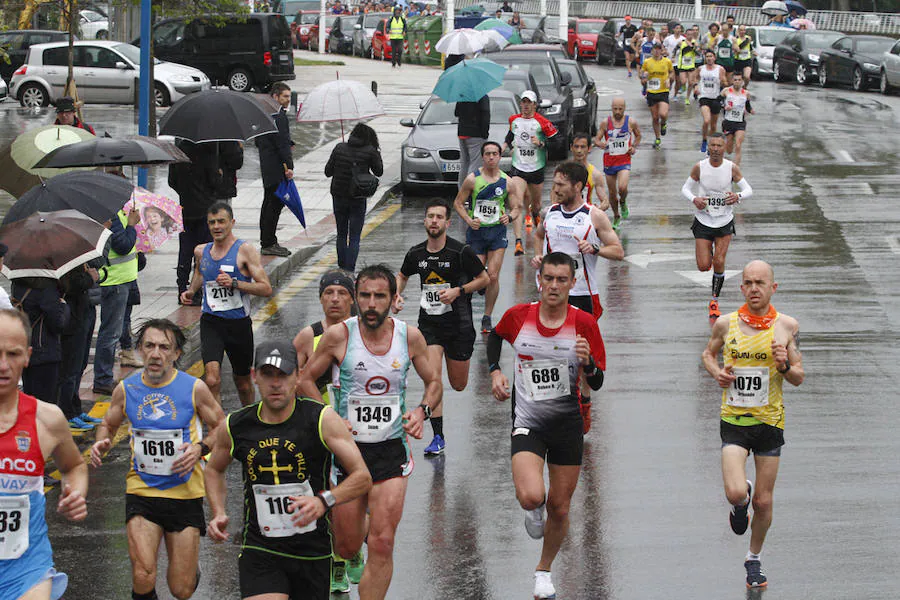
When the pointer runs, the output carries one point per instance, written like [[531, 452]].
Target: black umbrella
[[107, 152], [97, 195], [217, 116], [50, 244]]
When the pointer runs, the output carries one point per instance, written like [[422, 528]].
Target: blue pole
[[144, 90]]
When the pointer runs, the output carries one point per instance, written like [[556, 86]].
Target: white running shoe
[[534, 522], [543, 586]]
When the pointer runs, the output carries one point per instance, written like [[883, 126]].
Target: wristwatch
[[327, 499], [596, 248], [204, 449], [234, 283], [427, 410], [787, 367]]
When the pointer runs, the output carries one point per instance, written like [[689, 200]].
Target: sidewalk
[[400, 91]]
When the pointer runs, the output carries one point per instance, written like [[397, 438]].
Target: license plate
[[450, 167], [284, 58]]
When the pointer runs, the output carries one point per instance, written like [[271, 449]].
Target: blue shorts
[[614, 170], [487, 239], [27, 578]]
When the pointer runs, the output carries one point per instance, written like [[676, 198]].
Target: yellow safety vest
[[122, 268], [744, 51], [396, 28]]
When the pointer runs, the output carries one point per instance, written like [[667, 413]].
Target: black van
[[245, 52]]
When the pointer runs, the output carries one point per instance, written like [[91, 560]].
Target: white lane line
[[845, 156], [893, 243]]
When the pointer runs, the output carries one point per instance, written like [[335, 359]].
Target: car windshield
[[516, 86], [348, 25], [372, 20], [438, 112], [132, 53], [551, 24], [588, 26], [92, 16], [530, 22], [308, 18], [772, 37], [821, 39], [571, 69], [542, 73], [873, 47]]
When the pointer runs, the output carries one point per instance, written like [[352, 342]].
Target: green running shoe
[[624, 208], [617, 224], [340, 583], [355, 567]]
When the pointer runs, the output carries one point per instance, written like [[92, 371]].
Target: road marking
[[843, 156], [609, 92], [648, 256], [893, 242], [704, 277]]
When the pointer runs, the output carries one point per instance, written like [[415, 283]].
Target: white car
[[4, 90], [764, 41], [94, 26], [890, 70], [105, 73]]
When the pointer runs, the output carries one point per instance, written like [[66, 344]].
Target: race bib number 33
[[15, 512]]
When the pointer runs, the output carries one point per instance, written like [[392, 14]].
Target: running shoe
[[528, 221], [543, 586], [534, 523], [663, 127], [738, 516], [340, 583], [536, 219], [520, 249], [657, 144], [629, 74], [643, 90], [714, 312], [76, 424], [89, 419], [355, 567], [755, 577], [703, 146], [687, 100], [436, 446], [617, 224], [486, 324], [624, 209]]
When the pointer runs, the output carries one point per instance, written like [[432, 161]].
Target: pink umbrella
[[160, 219], [803, 24]]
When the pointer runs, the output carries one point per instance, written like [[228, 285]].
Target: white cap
[[529, 95]]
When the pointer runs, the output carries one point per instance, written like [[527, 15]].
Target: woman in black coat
[[361, 149]]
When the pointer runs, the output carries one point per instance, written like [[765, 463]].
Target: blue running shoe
[[755, 577], [76, 424], [703, 146], [89, 419], [436, 446]]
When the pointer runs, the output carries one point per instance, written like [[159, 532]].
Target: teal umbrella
[[505, 29], [470, 80]]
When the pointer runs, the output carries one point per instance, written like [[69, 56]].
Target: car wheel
[[102, 35], [240, 80], [612, 58], [802, 74], [33, 95], [161, 95], [776, 71], [883, 84], [859, 80], [823, 76]]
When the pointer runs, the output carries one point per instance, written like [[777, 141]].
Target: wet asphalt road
[[649, 519]]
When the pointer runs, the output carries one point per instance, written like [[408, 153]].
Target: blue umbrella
[[793, 5], [470, 80], [290, 197]]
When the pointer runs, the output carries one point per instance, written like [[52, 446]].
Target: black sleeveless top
[[270, 454]]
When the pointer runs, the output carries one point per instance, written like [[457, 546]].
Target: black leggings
[[396, 52], [349, 215]]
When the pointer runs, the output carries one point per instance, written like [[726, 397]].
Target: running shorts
[[702, 232], [613, 170], [740, 65], [729, 127], [562, 444], [589, 304], [233, 337], [690, 70], [487, 239], [713, 104], [456, 338], [629, 50], [385, 460], [170, 514], [657, 98], [267, 573], [761, 439], [534, 177]]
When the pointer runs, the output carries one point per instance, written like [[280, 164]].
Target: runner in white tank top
[[711, 81], [736, 107]]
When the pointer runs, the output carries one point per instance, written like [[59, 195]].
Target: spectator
[[65, 115], [472, 131], [453, 59], [506, 7], [396, 33], [49, 315], [516, 21], [499, 15], [361, 153], [337, 9], [230, 157], [4, 297], [276, 164], [127, 356], [75, 341]]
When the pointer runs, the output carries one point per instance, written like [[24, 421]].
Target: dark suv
[[243, 53], [17, 43], [609, 43]]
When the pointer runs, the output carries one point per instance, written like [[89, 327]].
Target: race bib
[[487, 211], [735, 113], [654, 84], [272, 505], [709, 85], [15, 512], [527, 152], [617, 146], [715, 205], [724, 52], [750, 388], [373, 418], [222, 298], [546, 379], [156, 449], [431, 299]]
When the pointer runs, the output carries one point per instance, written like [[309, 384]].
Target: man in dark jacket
[[473, 130], [230, 157], [76, 344], [65, 115], [276, 164]]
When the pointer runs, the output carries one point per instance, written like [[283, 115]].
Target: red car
[[583, 37], [381, 45], [314, 33], [303, 20]]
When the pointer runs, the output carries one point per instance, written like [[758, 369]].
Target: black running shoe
[[755, 577], [486, 324], [738, 516]]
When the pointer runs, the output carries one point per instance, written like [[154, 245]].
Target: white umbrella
[[339, 100], [461, 41], [774, 8], [493, 39]]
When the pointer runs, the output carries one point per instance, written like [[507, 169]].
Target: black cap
[[280, 355], [3, 250], [336, 277], [65, 104]]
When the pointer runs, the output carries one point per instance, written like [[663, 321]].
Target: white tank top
[[715, 183], [735, 105], [561, 228], [710, 82]]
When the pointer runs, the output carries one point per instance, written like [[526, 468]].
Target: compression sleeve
[[595, 381], [494, 345], [749, 107], [744, 189], [691, 189]]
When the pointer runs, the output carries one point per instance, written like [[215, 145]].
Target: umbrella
[[470, 80], [461, 41], [217, 116], [339, 100], [794, 6], [34, 144], [160, 219], [50, 244], [505, 29], [107, 152], [13, 178], [494, 40], [268, 103], [774, 8], [803, 24], [165, 144], [97, 195], [290, 197]]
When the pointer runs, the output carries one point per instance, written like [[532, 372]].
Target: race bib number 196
[[431, 299], [14, 514]]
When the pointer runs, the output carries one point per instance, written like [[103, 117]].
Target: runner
[[687, 65], [556, 347], [711, 39], [743, 54], [164, 487], [581, 148], [761, 349], [494, 200], [736, 102], [712, 80], [657, 72], [284, 445], [32, 433], [672, 45], [619, 141], [709, 189], [374, 353], [230, 271], [626, 32], [527, 137], [725, 49], [449, 273]]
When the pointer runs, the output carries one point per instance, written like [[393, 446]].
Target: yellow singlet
[[657, 74], [589, 188]]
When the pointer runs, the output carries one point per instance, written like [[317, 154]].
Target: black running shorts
[[266, 573], [713, 104], [233, 337], [740, 65], [761, 439], [533, 177], [456, 338], [170, 514], [702, 232], [385, 460], [562, 444], [657, 98], [729, 127], [589, 304]]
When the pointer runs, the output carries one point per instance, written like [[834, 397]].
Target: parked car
[[18, 42], [797, 56], [517, 82], [765, 39], [854, 60], [547, 31], [303, 20], [583, 38], [529, 25], [245, 53], [584, 96], [889, 79], [556, 51], [4, 90], [314, 33], [93, 25], [362, 36], [340, 38], [609, 43], [381, 45], [112, 70], [430, 154]]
